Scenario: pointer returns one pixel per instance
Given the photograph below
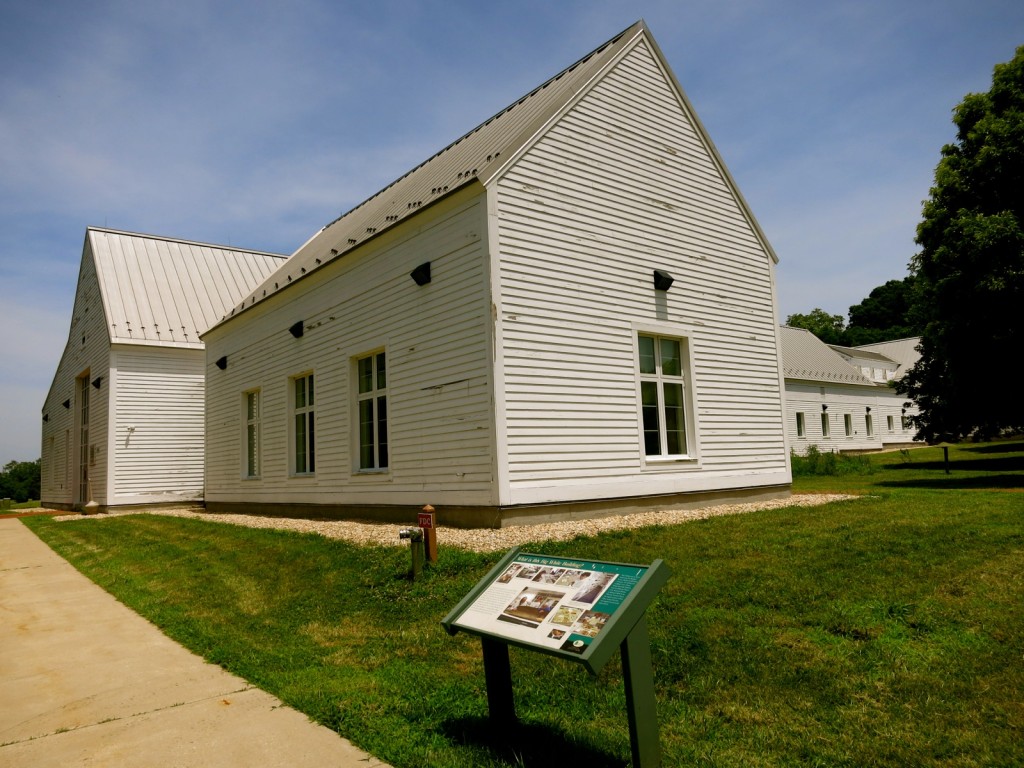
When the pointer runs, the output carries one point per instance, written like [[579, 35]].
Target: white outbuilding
[[123, 420], [842, 398], [568, 311]]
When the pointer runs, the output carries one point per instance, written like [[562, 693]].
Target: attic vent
[[303, 270], [318, 261], [289, 278], [275, 286]]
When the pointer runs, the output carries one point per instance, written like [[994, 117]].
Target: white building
[[841, 398], [123, 420], [568, 311]]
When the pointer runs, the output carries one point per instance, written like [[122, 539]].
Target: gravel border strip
[[484, 539]]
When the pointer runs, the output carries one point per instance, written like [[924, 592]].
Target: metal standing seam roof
[[805, 356], [862, 354], [160, 291], [903, 351], [477, 156]]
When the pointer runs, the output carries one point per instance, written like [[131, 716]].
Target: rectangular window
[[848, 424], [252, 433], [869, 427], [824, 425], [303, 426], [889, 423], [663, 396], [372, 404], [801, 428]]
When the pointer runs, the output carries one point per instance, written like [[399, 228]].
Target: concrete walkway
[[84, 681]]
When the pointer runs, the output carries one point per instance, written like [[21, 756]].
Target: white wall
[[622, 185], [158, 425], [87, 351], [437, 339]]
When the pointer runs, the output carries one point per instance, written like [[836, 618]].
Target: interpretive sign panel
[[562, 606]]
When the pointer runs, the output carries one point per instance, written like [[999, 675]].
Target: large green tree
[[887, 313], [19, 480], [828, 328], [970, 270]]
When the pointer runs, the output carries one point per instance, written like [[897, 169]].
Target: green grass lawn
[[883, 631]]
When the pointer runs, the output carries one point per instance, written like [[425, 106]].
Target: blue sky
[[256, 123]]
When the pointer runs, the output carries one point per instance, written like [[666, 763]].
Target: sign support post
[[641, 706], [498, 678]]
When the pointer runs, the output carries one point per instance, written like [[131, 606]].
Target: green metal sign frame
[[579, 610]]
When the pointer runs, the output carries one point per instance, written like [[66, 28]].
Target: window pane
[[310, 439], [649, 400], [382, 379], [365, 375], [309, 389], [366, 434], [382, 432], [300, 442], [250, 405], [800, 429], [671, 364], [647, 354], [250, 439], [300, 393], [824, 424], [675, 422]]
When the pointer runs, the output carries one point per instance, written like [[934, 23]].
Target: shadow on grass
[[996, 448], [1005, 464], [953, 482], [526, 744]]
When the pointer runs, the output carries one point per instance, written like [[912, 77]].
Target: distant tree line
[[19, 480], [965, 289], [889, 312]]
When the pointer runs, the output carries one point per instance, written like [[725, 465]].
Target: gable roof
[[479, 156], [903, 351], [165, 292], [805, 356]]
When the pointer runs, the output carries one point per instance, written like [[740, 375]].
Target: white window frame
[[848, 424], [801, 425], [252, 435], [890, 422], [690, 455], [869, 425], [826, 427], [375, 399], [307, 412]]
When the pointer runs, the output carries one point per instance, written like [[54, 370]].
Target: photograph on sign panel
[[510, 572], [549, 575], [572, 578], [566, 616], [530, 607], [590, 623], [592, 588]]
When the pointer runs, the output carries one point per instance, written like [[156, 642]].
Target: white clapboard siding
[[158, 425], [438, 352], [86, 354], [623, 184]]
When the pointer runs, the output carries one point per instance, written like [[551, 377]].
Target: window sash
[[372, 405], [662, 396], [303, 426], [252, 434]]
